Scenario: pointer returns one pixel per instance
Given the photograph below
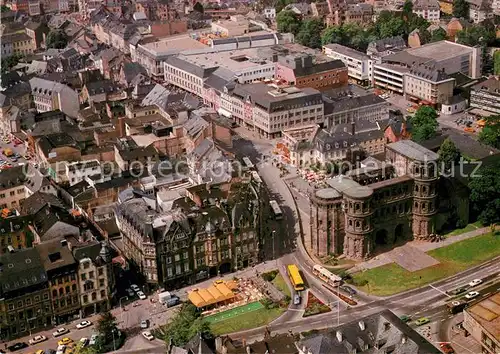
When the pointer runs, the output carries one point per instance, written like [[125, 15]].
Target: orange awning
[[214, 294]]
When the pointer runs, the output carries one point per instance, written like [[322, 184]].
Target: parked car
[[141, 295], [144, 324], [348, 290], [475, 282], [93, 339], [37, 339], [135, 288], [61, 349], [148, 335], [84, 342], [173, 301], [471, 295], [421, 321], [17, 346], [405, 318], [446, 348], [129, 292], [65, 341], [60, 332], [83, 324]]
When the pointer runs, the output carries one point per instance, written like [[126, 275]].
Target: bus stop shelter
[[218, 292]]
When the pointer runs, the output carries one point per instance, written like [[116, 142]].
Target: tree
[[310, 33], [281, 4], [461, 9], [56, 39], [424, 124], [288, 22], [449, 155], [198, 7], [496, 59], [438, 34], [186, 324], [333, 34], [396, 26], [485, 194], [10, 61], [106, 326], [408, 8], [490, 134]]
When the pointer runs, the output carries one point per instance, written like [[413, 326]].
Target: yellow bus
[[295, 278]]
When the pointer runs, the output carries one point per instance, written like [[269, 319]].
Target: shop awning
[[214, 294]]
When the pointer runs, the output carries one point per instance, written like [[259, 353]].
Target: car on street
[[405, 318], [65, 341], [40, 351], [471, 295], [141, 295], [475, 282], [421, 321], [130, 292], [84, 342], [456, 291], [348, 290], [144, 324], [93, 339], [61, 349], [83, 324], [148, 335], [296, 299], [135, 288], [60, 332], [37, 339], [17, 346], [446, 348]]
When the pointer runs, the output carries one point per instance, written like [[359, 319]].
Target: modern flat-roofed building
[[359, 65], [389, 77], [482, 321], [268, 109], [486, 96]]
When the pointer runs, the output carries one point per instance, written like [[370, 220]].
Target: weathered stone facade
[[375, 206]]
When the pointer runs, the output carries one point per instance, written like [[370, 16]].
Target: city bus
[[278, 215], [327, 276], [295, 278]]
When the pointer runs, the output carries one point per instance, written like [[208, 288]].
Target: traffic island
[[314, 306]]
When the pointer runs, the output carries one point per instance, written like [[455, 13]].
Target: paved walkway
[[412, 248]]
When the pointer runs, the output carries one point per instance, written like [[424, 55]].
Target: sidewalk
[[460, 343]]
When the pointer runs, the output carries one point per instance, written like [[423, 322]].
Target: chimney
[[361, 325], [353, 128], [339, 336]]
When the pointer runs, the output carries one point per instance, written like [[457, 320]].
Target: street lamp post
[[114, 345], [274, 231]]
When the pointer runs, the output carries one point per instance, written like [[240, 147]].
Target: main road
[[426, 301]]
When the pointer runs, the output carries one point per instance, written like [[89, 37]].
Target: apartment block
[[486, 96], [51, 95], [359, 65], [428, 9], [269, 109], [426, 83]]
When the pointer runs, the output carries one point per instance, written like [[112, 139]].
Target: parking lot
[[12, 152]]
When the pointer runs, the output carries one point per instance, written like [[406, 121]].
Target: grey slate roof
[[384, 44], [21, 269], [429, 72], [383, 330], [413, 151], [422, 5]]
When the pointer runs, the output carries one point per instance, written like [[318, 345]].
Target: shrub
[[269, 276]]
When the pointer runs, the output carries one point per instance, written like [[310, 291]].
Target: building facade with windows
[[202, 235], [12, 190], [482, 321], [486, 96], [426, 83], [358, 64], [50, 95], [62, 269], [428, 9], [95, 277], [25, 304]]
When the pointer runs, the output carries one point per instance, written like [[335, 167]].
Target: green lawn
[[281, 285], [247, 320], [392, 279], [237, 311], [470, 227]]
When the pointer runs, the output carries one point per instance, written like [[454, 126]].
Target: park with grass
[[392, 279]]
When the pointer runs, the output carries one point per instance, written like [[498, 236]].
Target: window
[[103, 294], [73, 287], [54, 293], [45, 296], [91, 275], [69, 301], [37, 298], [28, 302], [85, 299], [101, 283], [100, 271], [94, 296], [61, 291], [13, 193], [11, 307]]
